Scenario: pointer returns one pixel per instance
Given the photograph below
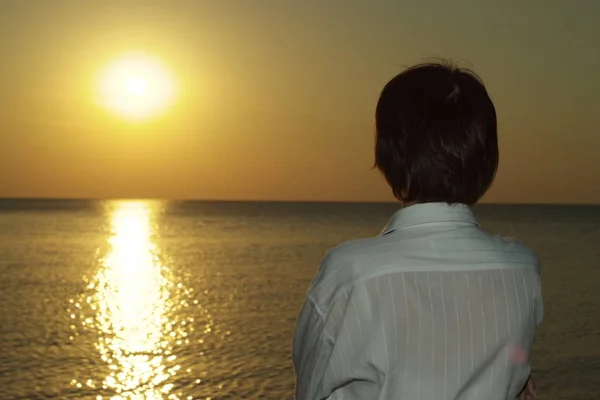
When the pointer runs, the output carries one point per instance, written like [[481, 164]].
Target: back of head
[[436, 135]]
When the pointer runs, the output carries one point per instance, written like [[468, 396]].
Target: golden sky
[[276, 98]]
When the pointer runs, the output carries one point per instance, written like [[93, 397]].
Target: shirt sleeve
[[337, 357], [311, 352]]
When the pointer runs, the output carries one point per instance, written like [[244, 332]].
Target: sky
[[276, 98]]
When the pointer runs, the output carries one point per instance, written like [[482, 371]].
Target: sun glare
[[136, 87]]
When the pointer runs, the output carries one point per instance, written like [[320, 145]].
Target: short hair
[[436, 135]]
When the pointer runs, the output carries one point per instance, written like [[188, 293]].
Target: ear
[[405, 192]]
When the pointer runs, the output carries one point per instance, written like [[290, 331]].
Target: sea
[[198, 300]]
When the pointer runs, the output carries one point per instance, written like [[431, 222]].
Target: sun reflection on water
[[133, 305], [132, 294]]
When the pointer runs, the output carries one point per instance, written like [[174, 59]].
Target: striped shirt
[[432, 308]]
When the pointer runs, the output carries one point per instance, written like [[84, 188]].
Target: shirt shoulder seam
[[316, 306], [323, 316]]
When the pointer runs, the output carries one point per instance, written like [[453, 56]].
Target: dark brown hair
[[436, 135]]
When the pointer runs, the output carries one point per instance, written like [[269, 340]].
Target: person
[[434, 307]]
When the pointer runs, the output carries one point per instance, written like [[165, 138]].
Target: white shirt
[[434, 308]]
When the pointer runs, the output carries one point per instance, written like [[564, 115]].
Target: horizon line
[[199, 200]]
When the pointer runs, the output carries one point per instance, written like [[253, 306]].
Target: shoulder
[[515, 249], [340, 269], [348, 252]]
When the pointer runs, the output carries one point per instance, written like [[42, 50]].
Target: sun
[[136, 87]]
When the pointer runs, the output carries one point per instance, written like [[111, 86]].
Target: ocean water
[[153, 300]]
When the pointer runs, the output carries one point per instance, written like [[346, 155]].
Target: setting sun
[[136, 87]]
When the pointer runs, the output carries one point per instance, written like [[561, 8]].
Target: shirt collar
[[427, 213]]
